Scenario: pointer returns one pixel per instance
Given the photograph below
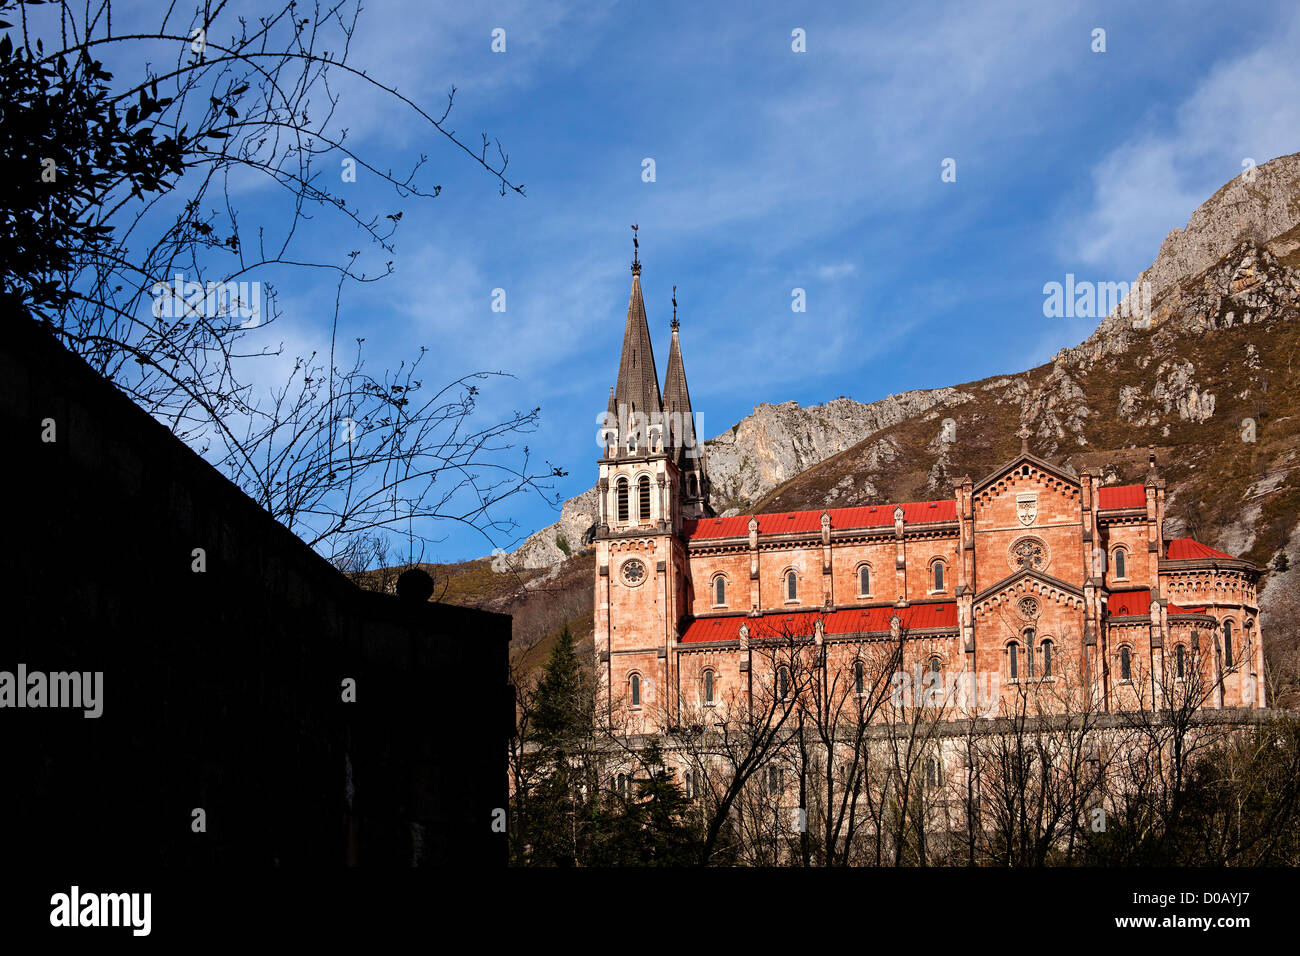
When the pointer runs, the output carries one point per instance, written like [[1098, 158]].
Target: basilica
[[1030, 577]]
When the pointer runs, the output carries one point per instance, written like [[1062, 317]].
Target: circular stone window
[[633, 572], [1028, 553], [1028, 608]]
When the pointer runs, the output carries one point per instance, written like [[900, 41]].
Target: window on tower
[[643, 496], [1227, 643], [720, 591], [1125, 664], [621, 494], [634, 683], [864, 581], [791, 586]]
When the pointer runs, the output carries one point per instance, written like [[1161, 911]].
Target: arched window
[[1227, 643], [689, 781], [1180, 661], [864, 581], [1013, 660], [774, 780], [1047, 658], [1029, 653], [791, 586], [931, 773], [1125, 664], [621, 486], [1121, 563], [782, 682], [643, 496], [936, 665], [858, 677], [634, 684], [938, 575], [720, 591], [709, 688], [620, 784]]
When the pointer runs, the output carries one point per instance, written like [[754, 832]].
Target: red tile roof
[[1181, 549], [1176, 609], [917, 617], [1129, 602], [786, 522], [1122, 496]]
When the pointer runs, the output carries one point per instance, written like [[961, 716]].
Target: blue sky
[[778, 170]]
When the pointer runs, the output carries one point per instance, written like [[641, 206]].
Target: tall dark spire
[[680, 439], [637, 400]]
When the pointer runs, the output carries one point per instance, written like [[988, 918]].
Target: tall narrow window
[[774, 780], [621, 487], [1047, 658], [1227, 643], [689, 781], [1029, 653], [1180, 661], [782, 682], [931, 773], [1013, 660], [643, 495], [720, 590], [791, 586], [857, 677], [635, 682], [864, 580], [1125, 664], [620, 784], [938, 575], [708, 688], [1121, 563]]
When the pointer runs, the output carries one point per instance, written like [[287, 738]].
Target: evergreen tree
[[564, 698]]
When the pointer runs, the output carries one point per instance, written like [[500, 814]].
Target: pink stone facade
[[1032, 575]]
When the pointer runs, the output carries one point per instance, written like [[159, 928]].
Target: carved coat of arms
[[1026, 508]]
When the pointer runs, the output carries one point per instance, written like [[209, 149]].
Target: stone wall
[[222, 689]]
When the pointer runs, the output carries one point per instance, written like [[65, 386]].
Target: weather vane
[[675, 323], [636, 246]]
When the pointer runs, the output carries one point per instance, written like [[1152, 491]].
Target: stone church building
[[1027, 576]]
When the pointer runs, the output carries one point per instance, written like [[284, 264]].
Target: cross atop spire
[[676, 324], [636, 252], [1024, 434]]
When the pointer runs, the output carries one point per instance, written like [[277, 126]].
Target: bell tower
[[641, 580]]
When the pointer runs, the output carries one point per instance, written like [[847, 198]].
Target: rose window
[[633, 572]]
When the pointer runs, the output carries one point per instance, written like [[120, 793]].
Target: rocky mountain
[[1208, 376]]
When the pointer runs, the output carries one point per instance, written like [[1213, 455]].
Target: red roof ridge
[[857, 516], [1184, 549]]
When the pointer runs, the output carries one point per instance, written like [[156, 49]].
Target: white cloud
[[1247, 106]]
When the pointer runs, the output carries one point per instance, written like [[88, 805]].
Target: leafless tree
[[222, 102]]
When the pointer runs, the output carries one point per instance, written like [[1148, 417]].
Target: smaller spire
[[636, 252], [676, 324], [1024, 434]]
